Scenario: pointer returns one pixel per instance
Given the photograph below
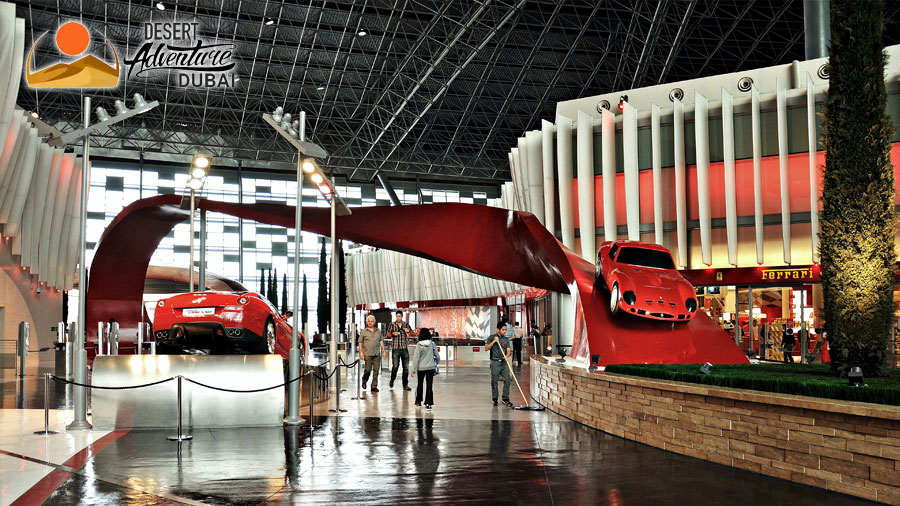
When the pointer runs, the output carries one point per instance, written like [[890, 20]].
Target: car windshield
[[646, 258]]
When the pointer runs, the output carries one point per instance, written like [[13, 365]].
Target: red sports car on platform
[[642, 280], [219, 323]]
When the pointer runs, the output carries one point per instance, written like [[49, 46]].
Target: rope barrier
[[131, 387], [246, 391]]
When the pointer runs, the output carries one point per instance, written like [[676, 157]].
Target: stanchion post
[[101, 341], [46, 430], [312, 380], [357, 381], [140, 339], [178, 435]]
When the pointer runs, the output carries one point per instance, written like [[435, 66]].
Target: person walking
[[424, 365], [788, 341], [399, 331], [498, 347], [370, 339], [516, 333]]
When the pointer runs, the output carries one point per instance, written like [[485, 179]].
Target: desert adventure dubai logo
[[73, 39], [178, 47]]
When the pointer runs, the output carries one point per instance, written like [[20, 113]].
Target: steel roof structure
[[434, 89]]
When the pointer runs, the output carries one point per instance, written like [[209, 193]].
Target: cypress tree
[[267, 291], [284, 307], [304, 306], [273, 289], [323, 313], [342, 287], [262, 282], [857, 234]]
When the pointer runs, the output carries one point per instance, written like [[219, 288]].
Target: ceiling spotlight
[[277, 113], [362, 33], [270, 22], [35, 115], [198, 173], [195, 184], [320, 88], [317, 178], [139, 101], [293, 131], [102, 115], [161, 6], [325, 189], [120, 107], [622, 100], [309, 166]]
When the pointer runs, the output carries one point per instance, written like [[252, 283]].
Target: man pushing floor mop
[[499, 348]]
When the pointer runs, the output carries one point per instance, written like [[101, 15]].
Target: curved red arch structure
[[508, 245]]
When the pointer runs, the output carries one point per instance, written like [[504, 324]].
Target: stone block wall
[[847, 447]]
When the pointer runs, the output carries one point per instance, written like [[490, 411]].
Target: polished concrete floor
[[382, 450]]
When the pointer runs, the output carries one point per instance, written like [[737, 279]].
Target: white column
[[701, 131], [730, 198], [535, 169], [608, 161], [757, 173], [680, 183], [656, 152], [585, 146], [632, 180], [523, 176], [781, 109], [549, 181], [813, 161], [517, 179], [564, 166]]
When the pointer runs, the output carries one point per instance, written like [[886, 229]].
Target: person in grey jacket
[[424, 365]]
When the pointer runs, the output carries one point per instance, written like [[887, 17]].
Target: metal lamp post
[[57, 140], [199, 170]]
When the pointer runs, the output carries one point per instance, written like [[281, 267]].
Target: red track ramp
[[508, 245]]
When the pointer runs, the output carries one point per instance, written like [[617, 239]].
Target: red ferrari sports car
[[221, 322], [642, 280]]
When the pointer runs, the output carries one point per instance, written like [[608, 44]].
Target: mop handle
[[511, 373]]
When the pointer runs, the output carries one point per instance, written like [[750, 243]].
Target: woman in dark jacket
[[424, 365]]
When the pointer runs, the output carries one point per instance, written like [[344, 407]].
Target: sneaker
[[495, 402], [407, 389], [375, 389], [391, 384], [506, 401], [428, 407]]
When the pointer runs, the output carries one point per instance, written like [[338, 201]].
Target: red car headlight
[[161, 303], [242, 300]]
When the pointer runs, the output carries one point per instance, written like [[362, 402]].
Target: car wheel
[[270, 336], [614, 298]]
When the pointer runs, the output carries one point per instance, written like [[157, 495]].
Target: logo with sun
[[73, 39]]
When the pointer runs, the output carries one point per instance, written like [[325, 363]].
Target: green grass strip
[[813, 380]]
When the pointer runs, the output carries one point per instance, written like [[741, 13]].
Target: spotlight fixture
[[706, 368], [362, 33], [195, 183], [139, 101], [622, 100], [277, 114], [317, 178], [604, 104], [325, 189], [595, 362], [320, 88], [201, 162], [309, 166], [270, 21], [161, 6], [102, 115], [855, 377], [121, 108], [34, 115]]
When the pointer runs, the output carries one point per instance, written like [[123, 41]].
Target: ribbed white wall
[[39, 185], [389, 276]]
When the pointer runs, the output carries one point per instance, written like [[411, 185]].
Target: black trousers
[[517, 351], [428, 377]]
